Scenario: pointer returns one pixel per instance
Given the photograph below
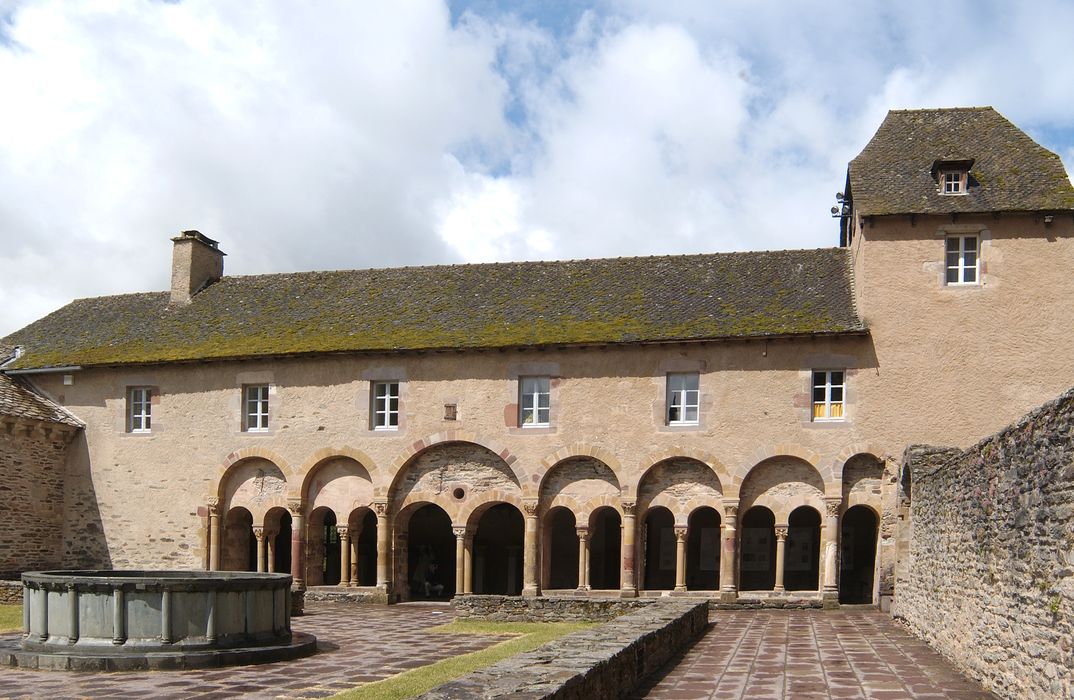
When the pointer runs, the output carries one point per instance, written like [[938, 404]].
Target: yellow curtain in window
[[818, 410], [837, 410]]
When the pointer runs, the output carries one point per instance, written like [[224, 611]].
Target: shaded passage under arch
[[239, 547], [703, 550], [857, 560], [757, 565], [562, 550], [605, 547], [659, 550], [498, 551], [430, 554], [801, 568]]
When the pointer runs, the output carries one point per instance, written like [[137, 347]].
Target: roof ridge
[[979, 108]]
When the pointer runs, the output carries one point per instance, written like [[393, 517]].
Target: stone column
[[270, 546], [214, 534], [583, 558], [460, 559], [355, 534], [830, 595], [344, 554], [781, 546], [298, 545], [729, 552], [468, 564], [530, 588], [383, 544], [680, 558], [630, 586], [259, 534]]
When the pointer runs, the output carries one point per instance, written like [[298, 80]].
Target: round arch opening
[[605, 549], [497, 558], [857, 557], [659, 547], [561, 536], [801, 565], [757, 547], [703, 550], [430, 573]]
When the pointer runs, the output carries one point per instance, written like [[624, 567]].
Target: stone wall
[[31, 499], [544, 609], [10, 592], [990, 580], [608, 661]]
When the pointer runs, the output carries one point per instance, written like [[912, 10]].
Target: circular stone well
[[128, 620]]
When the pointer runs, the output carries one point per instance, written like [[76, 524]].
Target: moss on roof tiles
[[1010, 172], [620, 300], [19, 400]]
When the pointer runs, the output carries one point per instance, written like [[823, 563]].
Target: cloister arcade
[[458, 516]]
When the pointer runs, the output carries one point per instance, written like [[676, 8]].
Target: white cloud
[[347, 135]]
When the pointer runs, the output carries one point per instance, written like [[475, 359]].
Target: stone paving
[[849, 653], [357, 644]]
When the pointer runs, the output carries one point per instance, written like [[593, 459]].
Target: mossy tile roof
[[17, 399], [1010, 172], [615, 300]]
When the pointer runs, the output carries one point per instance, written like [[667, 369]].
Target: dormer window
[[954, 182], [952, 175]]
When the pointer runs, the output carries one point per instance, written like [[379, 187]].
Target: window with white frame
[[534, 402], [683, 398], [953, 182], [255, 408], [829, 392], [962, 260], [385, 405], [139, 409]]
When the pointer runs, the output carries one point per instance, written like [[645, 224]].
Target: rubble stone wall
[[31, 500], [990, 582], [544, 609]]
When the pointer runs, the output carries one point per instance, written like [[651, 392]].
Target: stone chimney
[[197, 262]]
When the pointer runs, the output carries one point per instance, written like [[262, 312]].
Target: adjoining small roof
[[894, 173], [18, 400], [497, 305]]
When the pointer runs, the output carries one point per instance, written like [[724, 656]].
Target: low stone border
[[335, 594], [10, 592], [608, 661], [544, 609]]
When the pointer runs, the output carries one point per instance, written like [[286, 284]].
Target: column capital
[[630, 508], [459, 531], [380, 508], [582, 532], [832, 505], [295, 506], [781, 533], [344, 531], [531, 508], [730, 507], [259, 533], [680, 533], [214, 505]]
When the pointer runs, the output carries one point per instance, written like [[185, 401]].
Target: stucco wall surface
[[31, 499], [991, 567]]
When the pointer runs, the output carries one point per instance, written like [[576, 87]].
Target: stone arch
[[657, 548], [300, 486], [471, 514], [723, 475], [256, 484], [413, 452], [278, 534], [781, 484], [605, 548], [237, 457], [863, 481], [559, 540], [238, 549], [457, 476], [680, 484], [582, 481], [498, 541], [801, 570], [424, 537], [580, 450], [339, 483], [787, 451]]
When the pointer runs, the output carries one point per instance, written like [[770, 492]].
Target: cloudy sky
[[324, 135]]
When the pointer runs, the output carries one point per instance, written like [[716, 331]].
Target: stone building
[[723, 425]]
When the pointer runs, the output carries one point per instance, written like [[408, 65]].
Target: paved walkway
[[357, 644], [850, 653]]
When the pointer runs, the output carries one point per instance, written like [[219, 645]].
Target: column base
[[680, 589], [628, 593], [830, 600], [727, 596], [531, 592]]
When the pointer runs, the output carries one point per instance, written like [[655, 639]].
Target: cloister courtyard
[[854, 652]]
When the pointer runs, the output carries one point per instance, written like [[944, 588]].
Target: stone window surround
[[827, 361], [364, 399], [238, 402], [122, 420], [681, 365], [512, 395], [984, 245]]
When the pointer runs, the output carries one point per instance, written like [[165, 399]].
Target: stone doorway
[[605, 549], [703, 550], [498, 551], [857, 561], [757, 547], [239, 546], [430, 573]]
